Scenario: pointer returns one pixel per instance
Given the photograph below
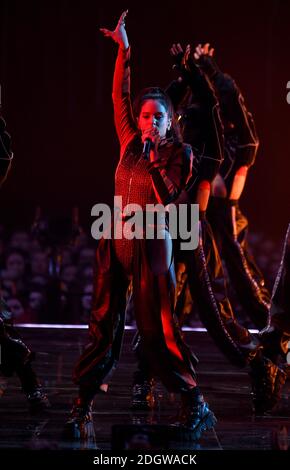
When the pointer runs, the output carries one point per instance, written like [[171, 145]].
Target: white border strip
[[56, 326]]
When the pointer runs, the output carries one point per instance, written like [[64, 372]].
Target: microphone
[[147, 145]]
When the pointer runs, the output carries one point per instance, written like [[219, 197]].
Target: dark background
[[56, 73]]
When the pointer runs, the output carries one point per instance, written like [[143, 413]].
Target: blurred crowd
[[46, 275]]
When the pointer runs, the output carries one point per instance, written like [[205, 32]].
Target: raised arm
[[231, 100], [123, 115], [212, 128], [209, 144]]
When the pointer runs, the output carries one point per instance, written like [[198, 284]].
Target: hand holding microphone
[[150, 139], [147, 145]]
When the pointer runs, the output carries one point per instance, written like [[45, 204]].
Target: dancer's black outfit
[[229, 224], [206, 278], [205, 271], [15, 355], [205, 274], [142, 182]]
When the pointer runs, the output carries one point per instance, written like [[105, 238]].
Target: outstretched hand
[[181, 57], [119, 35], [202, 51], [176, 52]]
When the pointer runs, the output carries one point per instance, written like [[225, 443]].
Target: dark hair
[[153, 93], [156, 93]]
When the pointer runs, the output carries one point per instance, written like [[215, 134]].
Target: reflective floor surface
[[226, 388]]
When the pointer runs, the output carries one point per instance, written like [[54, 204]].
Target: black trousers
[[230, 228], [276, 336], [206, 282], [161, 344]]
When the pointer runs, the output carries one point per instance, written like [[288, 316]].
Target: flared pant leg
[[230, 228], [276, 336], [208, 289], [106, 324], [161, 350]]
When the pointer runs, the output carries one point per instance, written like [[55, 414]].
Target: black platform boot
[[267, 381], [143, 397], [142, 392], [37, 400], [79, 425], [16, 358], [275, 345], [195, 413]]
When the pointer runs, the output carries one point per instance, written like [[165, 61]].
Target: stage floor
[[225, 387]]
